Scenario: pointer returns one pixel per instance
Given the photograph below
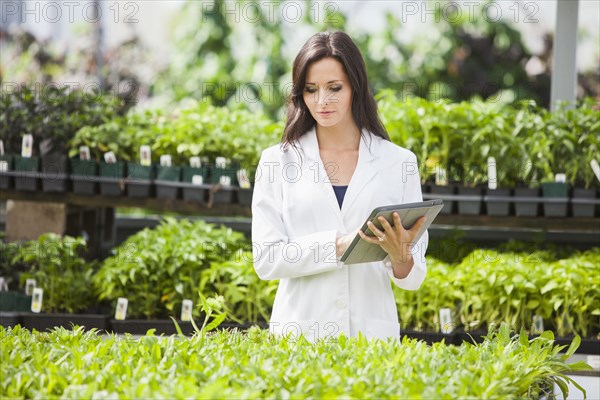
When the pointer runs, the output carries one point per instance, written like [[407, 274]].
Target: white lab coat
[[295, 221]]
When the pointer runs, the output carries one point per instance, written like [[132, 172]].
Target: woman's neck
[[345, 138]]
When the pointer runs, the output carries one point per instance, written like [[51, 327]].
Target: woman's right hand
[[342, 242]]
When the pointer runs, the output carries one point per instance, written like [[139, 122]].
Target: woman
[[314, 190]]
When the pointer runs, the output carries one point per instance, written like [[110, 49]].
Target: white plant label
[[221, 162], [3, 166], [36, 300], [1, 147], [492, 177], [30, 284], [110, 158], [593, 361], [145, 155], [195, 162], [242, 176], [446, 324], [3, 285], [186, 310], [595, 168], [441, 177], [538, 325], [165, 160], [121, 311], [84, 153], [561, 178], [197, 180], [225, 180], [27, 147]]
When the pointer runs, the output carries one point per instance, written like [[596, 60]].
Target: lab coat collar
[[363, 174]]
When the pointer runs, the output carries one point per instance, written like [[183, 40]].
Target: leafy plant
[[156, 269], [57, 266], [75, 364], [488, 287]]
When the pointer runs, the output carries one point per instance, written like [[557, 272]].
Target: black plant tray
[[52, 182], [8, 319], [584, 207], [111, 186], [167, 189], [27, 180], [85, 184], [42, 321], [244, 196], [498, 202], [141, 326], [139, 188], [430, 337], [195, 193], [527, 202], [222, 194], [555, 206], [7, 180], [445, 193]]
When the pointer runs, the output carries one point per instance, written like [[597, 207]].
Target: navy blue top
[[340, 192]]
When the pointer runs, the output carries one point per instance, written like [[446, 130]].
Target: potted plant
[[195, 184], [65, 277], [62, 113], [156, 269]]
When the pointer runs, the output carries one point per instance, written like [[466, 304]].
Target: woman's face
[[327, 93]]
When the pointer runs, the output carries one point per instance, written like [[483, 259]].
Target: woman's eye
[[310, 90], [335, 88]]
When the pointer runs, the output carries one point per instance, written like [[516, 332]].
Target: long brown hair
[[337, 45]]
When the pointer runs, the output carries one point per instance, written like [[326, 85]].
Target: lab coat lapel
[[310, 147], [364, 172]]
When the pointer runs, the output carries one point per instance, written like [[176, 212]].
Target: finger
[[386, 226], [418, 224], [368, 239], [397, 222], [376, 231]]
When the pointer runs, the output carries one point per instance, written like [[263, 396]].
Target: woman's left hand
[[395, 240]]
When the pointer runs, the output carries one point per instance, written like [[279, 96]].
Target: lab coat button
[[341, 305]]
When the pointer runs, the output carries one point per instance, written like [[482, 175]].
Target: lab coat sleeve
[[277, 256], [412, 194]]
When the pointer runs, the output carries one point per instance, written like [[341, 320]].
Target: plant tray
[[195, 193], [244, 196], [43, 321], [141, 326], [167, 189], [498, 202], [9, 319]]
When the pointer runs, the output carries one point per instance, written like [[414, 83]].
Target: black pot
[[167, 182], [446, 193], [84, 176], [222, 195], [556, 199], [6, 178], [527, 202], [112, 179], [141, 326], [470, 200], [14, 301], [26, 173], [191, 192], [139, 180], [244, 196], [9, 319], [584, 202], [498, 202], [42, 321], [55, 174]]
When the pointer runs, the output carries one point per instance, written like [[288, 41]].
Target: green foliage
[[529, 143], [196, 129], [56, 264], [156, 269], [54, 114], [79, 364], [488, 287]]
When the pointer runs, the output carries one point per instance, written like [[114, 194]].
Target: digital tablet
[[361, 251]]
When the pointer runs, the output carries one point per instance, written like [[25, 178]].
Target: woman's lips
[[325, 113]]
